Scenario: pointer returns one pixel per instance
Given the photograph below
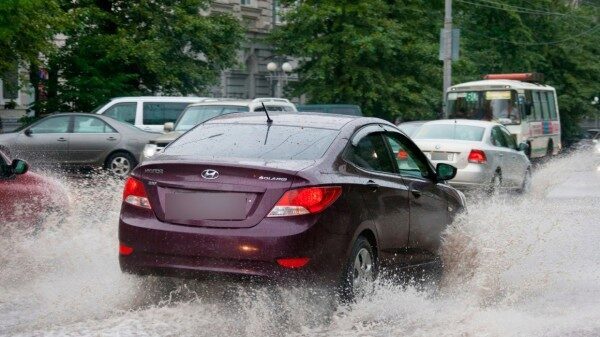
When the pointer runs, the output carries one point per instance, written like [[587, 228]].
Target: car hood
[[167, 137]]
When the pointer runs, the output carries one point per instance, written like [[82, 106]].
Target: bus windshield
[[498, 105]]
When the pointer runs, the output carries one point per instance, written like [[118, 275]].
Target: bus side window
[[551, 105], [544, 101], [528, 106], [537, 106]]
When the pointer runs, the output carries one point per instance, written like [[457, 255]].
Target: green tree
[[119, 48], [379, 54], [27, 28]]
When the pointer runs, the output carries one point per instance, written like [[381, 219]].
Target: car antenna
[[269, 120]]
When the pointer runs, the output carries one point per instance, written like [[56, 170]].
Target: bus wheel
[[550, 149]]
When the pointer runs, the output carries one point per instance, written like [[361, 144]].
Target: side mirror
[[445, 172], [523, 147], [169, 126], [19, 166], [28, 132]]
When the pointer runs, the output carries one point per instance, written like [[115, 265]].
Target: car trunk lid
[[455, 152], [209, 194]]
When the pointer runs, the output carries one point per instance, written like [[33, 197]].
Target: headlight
[[150, 150]]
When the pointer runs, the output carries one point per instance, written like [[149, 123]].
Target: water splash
[[515, 266]]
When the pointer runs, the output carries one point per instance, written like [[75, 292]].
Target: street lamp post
[[596, 102], [278, 77]]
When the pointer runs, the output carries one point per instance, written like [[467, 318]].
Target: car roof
[[243, 102], [307, 120], [329, 105], [471, 122], [413, 122], [182, 99]]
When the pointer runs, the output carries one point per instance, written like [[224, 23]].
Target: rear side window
[[89, 124], [124, 112], [509, 139], [498, 139], [372, 154], [253, 141], [450, 131], [158, 113]]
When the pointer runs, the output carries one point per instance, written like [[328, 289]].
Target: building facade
[[251, 78]]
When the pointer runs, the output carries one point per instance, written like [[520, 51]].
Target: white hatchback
[[149, 113], [485, 153]]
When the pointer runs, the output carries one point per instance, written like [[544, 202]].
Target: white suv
[[148, 113], [200, 112]]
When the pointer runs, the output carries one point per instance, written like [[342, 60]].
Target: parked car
[[26, 197], [148, 113], [79, 139], [409, 128], [590, 139], [485, 153], [306, 195], [200, 112], [340, 109]]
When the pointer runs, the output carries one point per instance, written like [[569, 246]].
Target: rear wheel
[[496, 183], [120, 164], [550, 149], [526, 185], [360, 271]]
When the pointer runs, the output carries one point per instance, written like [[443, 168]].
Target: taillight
[[134, 193], [477, 157], [305, 201]]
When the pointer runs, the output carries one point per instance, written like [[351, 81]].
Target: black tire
[[550, 149], [495, 183], [355, 285], [528, 151], [526, 185], [120, 164]]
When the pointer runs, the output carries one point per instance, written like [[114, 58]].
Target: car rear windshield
[[195, 115], [254, 141], [450, 131]]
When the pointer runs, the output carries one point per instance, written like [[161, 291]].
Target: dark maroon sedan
[[320, 196]]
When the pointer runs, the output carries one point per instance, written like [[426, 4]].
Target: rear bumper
[[472, 176], [161, 248]]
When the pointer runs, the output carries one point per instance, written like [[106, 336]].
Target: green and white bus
[[528, 109]]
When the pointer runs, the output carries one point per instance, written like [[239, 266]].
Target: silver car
[[485, 153], [79, 139]]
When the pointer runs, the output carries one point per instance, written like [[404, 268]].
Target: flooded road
[[515, 266]]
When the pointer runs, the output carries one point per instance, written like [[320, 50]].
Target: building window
[[246, 2]]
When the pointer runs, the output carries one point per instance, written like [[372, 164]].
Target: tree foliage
[[119, 48], [365, 52], [26, 31], [383, 54]]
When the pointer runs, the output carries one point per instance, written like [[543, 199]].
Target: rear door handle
[[61, 139], [111, 138], [373, 186], [416, 193]]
